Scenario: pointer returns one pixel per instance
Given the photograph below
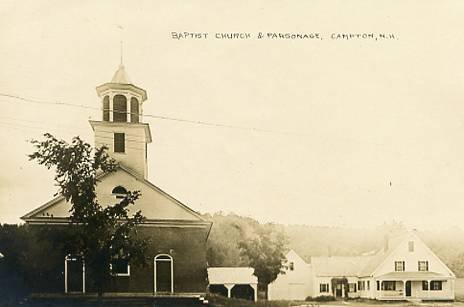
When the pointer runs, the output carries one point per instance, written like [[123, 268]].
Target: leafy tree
[[266, 253], [99, 233]]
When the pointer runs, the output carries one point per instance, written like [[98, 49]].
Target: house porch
[[414, 286]]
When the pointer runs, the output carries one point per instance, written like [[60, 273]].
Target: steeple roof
[[121, 76], [121, 81]]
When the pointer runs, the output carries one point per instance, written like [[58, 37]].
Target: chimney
[[385, 243]]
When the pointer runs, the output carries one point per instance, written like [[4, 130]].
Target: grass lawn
[[219, 301]]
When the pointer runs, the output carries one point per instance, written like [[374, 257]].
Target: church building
[[178, 234]]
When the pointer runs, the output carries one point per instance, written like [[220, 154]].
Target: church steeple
[[121, 128]]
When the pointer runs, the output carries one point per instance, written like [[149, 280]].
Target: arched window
[[119, 108], [134, 110], [106, 109], [119, 192], [163, 273]]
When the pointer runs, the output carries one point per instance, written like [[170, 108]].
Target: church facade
[[178, 234]]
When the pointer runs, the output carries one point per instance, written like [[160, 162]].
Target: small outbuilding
[[236, 282]]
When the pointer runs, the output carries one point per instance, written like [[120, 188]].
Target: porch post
[[404, 288], [229, 289], [255, 290]]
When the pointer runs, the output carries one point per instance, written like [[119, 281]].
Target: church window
[[120, 267], [119, 192], [106, 108], [134, 110], [119, 108], [119, 142]]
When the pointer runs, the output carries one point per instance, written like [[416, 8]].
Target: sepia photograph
[[304, 153]]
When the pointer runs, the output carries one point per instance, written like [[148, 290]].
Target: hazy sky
[[345, 118]]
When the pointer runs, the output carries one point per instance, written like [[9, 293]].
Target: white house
[[405, 269], [295, 284]]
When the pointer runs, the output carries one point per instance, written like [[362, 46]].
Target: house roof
[[338, 266], [413, 276], [231, 275]]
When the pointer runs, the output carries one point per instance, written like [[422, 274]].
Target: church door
[[74, 274], [163, 267]]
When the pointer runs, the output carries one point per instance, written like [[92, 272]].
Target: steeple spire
[[121, 64]]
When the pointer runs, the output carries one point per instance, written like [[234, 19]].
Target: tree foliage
[[100, 233], [266, 253]]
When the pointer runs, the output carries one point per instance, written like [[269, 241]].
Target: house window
[[291, 266], [399, 266], [436, 285], [423, 265], [323, 288], [359, 286], [389, 285], [120, 267], [368, 285], [411, 246], [425, 285], [119, 142], [378, 285], [352, 287], [119, 192]]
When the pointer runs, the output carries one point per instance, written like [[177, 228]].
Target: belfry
[[121, 128]]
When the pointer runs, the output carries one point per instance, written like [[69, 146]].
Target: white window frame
[[352, 287], [156, 258], [120, 274], [66, 259], [403, 266], [324, 285], [426, 263]]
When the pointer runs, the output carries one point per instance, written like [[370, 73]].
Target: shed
[[237, 282]]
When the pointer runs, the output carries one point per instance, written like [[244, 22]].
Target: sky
[[337, 132]]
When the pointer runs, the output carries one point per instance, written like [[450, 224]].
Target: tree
[[100, 234], [266, 253]]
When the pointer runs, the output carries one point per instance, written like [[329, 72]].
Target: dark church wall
[[186, 246]]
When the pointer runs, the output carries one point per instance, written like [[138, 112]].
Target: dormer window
[[119, 192]]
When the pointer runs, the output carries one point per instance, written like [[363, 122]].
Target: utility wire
[[170, 118]]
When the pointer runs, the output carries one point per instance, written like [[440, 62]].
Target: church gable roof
[[155, 204]]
